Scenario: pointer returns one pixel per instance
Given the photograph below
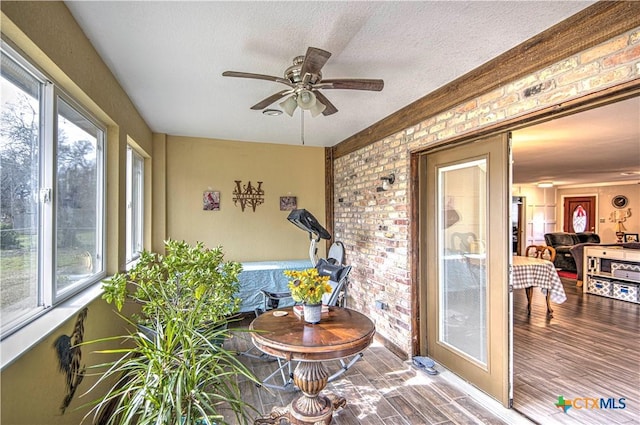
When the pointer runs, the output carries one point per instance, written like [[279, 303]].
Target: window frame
[[48, 295], [135, 205], [100, 243]]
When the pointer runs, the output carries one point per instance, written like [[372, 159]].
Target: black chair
[[333, 267]]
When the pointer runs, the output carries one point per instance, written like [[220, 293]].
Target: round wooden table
[[340, 333]]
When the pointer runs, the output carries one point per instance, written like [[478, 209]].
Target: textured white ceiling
[[169, 56]]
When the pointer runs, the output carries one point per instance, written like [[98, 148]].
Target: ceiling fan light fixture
[[317, 109], [304, 79], [289, 105], [306, 99]]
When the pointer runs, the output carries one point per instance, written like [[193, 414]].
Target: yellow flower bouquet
[[307, 286]]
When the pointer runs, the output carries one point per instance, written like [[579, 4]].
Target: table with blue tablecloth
[[267, 275]]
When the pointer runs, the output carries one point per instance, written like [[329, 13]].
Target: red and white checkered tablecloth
[[528, 271]]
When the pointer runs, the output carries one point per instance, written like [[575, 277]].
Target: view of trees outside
[[19, 177], [77, 197], [74, 198]]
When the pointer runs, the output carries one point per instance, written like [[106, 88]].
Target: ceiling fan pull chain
[[302, 126]]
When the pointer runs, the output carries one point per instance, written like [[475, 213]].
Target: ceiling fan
[[305, 82]]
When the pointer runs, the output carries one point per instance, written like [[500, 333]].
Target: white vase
[[312, 313]]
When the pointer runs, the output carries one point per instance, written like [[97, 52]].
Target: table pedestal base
[[310, 408]]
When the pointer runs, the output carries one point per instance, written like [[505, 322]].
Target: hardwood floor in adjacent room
[[589, 349]]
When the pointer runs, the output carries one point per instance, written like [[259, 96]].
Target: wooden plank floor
[[382, 389], [589, 349]]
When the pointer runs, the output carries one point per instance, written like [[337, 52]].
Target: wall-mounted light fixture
[[386, 182]]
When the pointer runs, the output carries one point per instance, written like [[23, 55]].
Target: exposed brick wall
[[375, 225]]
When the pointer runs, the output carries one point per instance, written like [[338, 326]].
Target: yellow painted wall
[[32, 387], [194, 165]]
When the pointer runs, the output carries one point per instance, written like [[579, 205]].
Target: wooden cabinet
[[612, 272]]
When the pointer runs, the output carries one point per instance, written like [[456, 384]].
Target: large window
[[51, 195], [135, 203]]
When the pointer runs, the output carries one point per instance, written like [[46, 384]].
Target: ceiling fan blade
[[269, 100], [257, 77], [314, 60], [330, 109], [351, 84]]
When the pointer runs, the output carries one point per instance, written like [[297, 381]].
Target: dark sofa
[[563, 242]]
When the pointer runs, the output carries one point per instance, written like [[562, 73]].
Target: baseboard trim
[[392, 347]]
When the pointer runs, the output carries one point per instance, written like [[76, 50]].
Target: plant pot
[[312, 313]]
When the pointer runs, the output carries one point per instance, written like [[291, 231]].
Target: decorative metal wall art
[[69, 353], [248, 195], [619, 215]]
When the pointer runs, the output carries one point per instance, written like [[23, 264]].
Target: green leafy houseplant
[[176, 376], [184, 276], [176, 370]]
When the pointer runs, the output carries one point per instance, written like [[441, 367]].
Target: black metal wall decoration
[[248, 195], [69, 357]]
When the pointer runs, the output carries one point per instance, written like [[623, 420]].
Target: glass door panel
[[462, 258]]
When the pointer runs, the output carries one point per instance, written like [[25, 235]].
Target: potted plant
[[185, 276], [174, 369], [179, 375], [308, 287]]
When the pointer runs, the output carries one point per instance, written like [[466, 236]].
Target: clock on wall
[[619, 201]]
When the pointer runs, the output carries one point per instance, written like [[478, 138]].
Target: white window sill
[[21, 341]]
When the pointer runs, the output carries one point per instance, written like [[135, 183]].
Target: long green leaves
[[176, 371], [179, 376]]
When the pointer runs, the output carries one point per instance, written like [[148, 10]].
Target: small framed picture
[[211, 200], [288, 203], [631, 237]]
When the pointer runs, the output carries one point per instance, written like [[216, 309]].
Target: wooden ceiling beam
[[589, 27]]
